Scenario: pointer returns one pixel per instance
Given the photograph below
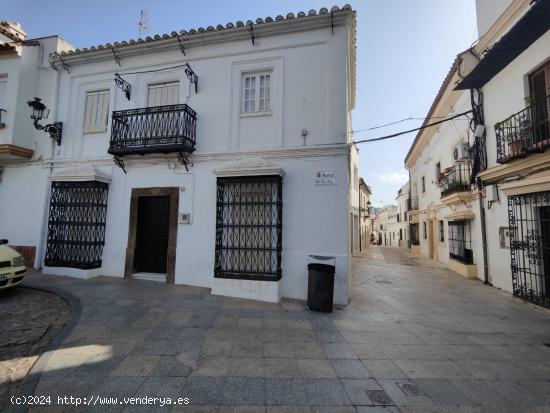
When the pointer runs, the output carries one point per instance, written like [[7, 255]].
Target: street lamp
[[39, 112]]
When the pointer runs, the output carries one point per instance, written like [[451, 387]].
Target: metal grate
[[460, 244], [249, 228], [455, 179], [161, 129], [529, 217], [76, 226], [526, 131]]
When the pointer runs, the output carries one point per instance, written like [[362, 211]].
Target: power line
[[398, 121], [411, 130]]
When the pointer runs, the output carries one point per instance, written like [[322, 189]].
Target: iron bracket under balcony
[[157, 129]]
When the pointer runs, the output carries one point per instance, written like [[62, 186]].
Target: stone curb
[[30, 382]]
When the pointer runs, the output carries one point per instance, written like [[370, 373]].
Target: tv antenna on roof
[[143, 24]]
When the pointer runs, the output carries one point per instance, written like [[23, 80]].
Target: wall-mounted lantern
[[39, 112]]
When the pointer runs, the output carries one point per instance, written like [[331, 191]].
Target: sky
[[404, 51]]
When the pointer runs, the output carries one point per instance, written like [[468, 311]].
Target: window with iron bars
[[460, 244], [76, 224], [249, 228], [529, 221]]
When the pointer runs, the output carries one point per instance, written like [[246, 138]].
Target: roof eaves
[[442, 89], [201, 31]]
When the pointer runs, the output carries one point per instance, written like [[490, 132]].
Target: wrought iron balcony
[[525, 132], [157, 129], [455, 179], [412, 203]]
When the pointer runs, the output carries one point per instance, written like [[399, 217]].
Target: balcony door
[[163, 94], [540, 90]]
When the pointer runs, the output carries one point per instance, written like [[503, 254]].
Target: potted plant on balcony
[[512, 138]]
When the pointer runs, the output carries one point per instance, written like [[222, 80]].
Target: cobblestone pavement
[[28, 321], [416, 338]]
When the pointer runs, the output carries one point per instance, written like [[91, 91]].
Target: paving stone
[[350, 369], [315, 369], [442, 393], [286, 392], [384, 369], [136, 365], [339, 351], [396, 394], [326, 392], [244, 391], [169, 366]]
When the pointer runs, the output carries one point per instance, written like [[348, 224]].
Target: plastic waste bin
[[320, 291]]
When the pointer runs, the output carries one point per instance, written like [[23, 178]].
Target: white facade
[[505, 94], [385, 224], [402, 226], [304, 132]]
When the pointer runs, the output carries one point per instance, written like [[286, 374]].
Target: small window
[[425, 228], [256, 93], [96, 112], [423, 184], [163, 94], [441, 231]]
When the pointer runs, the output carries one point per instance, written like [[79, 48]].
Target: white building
[[234, 142], [512, 78], [367, 217], [402, 225], [385, 225], [443, 210]]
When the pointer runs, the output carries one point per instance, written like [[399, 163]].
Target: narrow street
[[416, 338]]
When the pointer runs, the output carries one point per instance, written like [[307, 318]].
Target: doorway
[[544, 213], [152, 232]]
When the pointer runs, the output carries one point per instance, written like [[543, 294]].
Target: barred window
[[529, 217], [249, 228], [76, 225], [441, 225], [460, 244]]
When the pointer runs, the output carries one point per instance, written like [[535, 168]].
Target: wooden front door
[[152, 234]]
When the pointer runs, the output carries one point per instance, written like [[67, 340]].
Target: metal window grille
[[415, 239], [460, 244], [76, 225], [529, 217], [441, 231], [249, 228]]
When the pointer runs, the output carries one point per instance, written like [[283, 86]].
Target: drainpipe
[[484, 241]]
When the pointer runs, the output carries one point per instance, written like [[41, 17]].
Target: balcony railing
[[157, 129], [525, 132], [412, 203], [455, 179]]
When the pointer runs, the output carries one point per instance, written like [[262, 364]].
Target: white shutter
[[96, 112], [161, 94]]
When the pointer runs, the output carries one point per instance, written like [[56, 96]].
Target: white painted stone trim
[[80, 173], [250, 167]]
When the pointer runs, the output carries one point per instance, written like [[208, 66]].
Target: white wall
[[309, 89], [504, 96]]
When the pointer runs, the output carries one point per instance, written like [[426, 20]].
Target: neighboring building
[[225, 176], [367, 217], [511, 84], [385, 225], [443, 205], [402, 226]]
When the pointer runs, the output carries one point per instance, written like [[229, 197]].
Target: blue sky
[[404, 51]]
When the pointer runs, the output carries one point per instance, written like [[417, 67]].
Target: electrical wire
[[412, 130], [396, 122]]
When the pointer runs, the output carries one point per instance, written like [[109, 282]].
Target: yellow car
[[12, 266]]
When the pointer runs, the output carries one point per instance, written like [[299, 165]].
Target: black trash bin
[[320, 291]]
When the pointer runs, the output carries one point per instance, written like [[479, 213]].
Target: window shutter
[[96, 111], [161, 94]]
